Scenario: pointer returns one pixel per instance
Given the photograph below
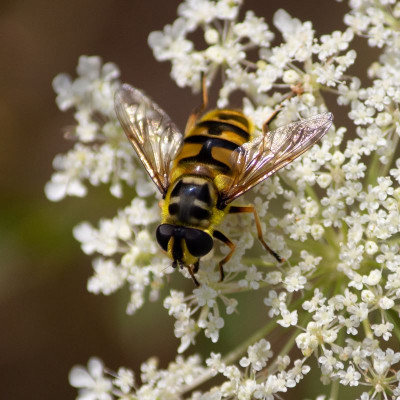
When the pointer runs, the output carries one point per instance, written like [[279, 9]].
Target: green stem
[[395, 322], [367, 329], [334, 391], [332, 238], [369, 263], [311, 192], [373, 170], [242, 348], [338, 288]]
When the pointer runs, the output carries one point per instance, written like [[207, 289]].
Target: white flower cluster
[[230, 41], [95, 382], [333, 214], [101, 153], [125, 236], [182, 375]]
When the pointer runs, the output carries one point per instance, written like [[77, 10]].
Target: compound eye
[[198, 242], [163, 235]]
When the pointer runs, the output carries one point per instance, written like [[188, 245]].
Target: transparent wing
[[151, 132], [256, 160]]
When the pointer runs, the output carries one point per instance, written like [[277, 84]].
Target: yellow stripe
[[222, 155], [189, 150]]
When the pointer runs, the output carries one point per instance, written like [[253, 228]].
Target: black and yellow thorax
[[201, 168]]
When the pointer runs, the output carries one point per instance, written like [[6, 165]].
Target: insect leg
[[196, 266], [220, 236], [296, 90], [248, 209], [204, 93], [265, 127], [194, 116], [192, 269]]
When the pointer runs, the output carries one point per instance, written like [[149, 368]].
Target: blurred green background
[[48, 320]]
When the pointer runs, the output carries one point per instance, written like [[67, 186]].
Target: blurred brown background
[[48, 320]]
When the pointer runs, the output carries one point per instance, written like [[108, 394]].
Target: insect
[[199, 173]]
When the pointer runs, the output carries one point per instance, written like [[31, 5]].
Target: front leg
[[297, 90], [196, 113], [248, 209], [192, 270]]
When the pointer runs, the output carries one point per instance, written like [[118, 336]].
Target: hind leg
[[248, 209]]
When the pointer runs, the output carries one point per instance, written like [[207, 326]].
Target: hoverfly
[[199, 173]]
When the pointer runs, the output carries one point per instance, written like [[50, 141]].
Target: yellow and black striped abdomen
[[209, 144]]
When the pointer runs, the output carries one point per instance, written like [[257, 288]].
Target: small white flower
[[361, 114], [349, 377], [174, 303], [231, 305], [373, 278], [329, 362], [185, 329], [290, 76], [288, 318], [212, 327], [215, 363], [171, 42], [275, 302], [211, 36], [252, 278], [371, 247], [386, 303], [205, 295], [298, 371], [91, 382], [108, 277], [62, 185], [368, 296], [255, 29], [124, 380], [324, 180], [383, 330], [273, 384], [294, 281], [258, 354]]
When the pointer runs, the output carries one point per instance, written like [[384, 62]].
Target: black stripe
[[173, 208], [216, 128], [223, 168], [238, 118], [176, 190], [199, 213], [204, 194], [225, 144], [183, 190], [205, 156]]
